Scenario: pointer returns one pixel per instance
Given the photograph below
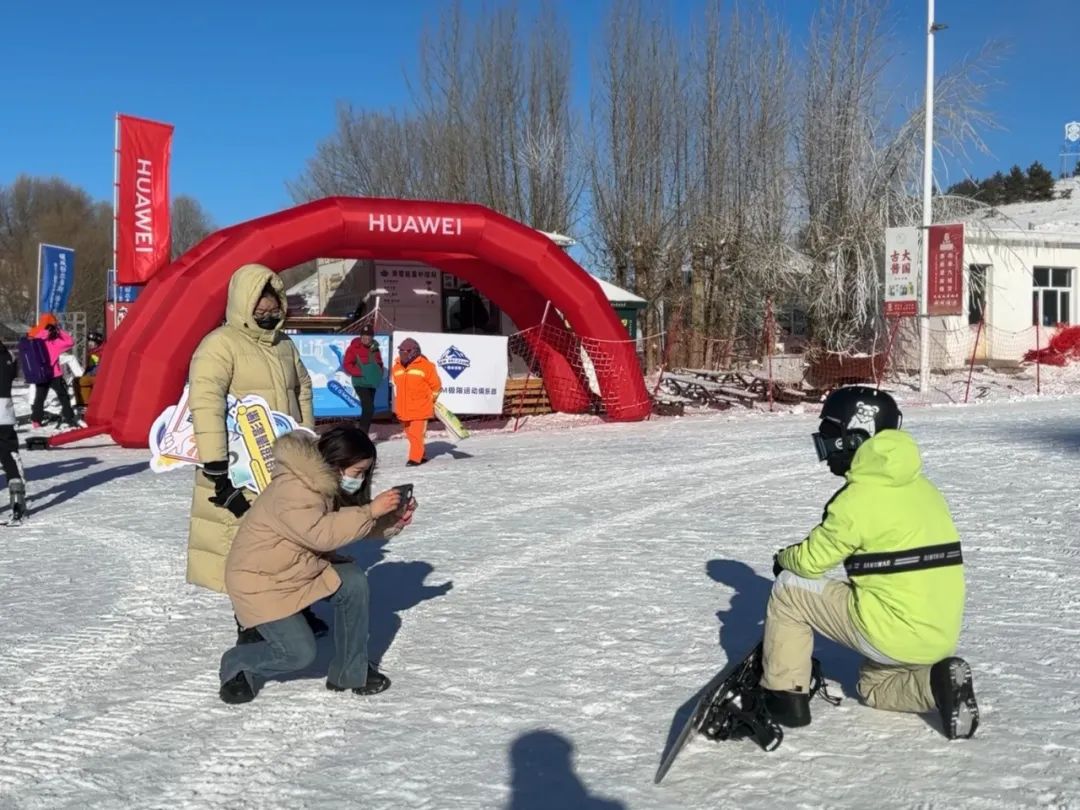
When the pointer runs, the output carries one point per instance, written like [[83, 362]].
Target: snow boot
[[376, 682], [954, 694], [17, 492], [237, 690], [789, 709]]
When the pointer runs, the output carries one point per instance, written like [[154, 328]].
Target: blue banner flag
[[56, 276]]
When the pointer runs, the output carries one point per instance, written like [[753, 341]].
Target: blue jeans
[[288, 644]]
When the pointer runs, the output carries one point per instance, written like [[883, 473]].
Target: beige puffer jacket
[[240, 359], [277, 565]]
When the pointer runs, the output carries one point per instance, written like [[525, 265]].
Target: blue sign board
[[333, 394], [125, 293], [56, 276]]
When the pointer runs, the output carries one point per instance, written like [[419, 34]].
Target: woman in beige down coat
[[248, 355], [282, 561]]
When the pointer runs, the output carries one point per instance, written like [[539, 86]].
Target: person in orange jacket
[[416, 387]]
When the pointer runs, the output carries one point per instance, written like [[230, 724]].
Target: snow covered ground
[[600, 576]]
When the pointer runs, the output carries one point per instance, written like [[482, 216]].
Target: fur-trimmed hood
[[298, 453]]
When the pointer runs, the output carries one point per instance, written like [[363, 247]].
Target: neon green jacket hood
[[888, 506]]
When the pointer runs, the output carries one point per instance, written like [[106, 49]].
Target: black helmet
[[849, 417], [95, 336]]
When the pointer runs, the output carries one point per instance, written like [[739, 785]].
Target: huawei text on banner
[[143, 235]]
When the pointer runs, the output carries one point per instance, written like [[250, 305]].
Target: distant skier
[[903, 603], [9, 440]]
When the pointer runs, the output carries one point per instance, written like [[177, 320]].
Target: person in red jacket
[[363, 362]]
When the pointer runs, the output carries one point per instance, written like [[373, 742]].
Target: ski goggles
[[826, 445]]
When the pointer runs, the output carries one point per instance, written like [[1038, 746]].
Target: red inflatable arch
[[145, 364]]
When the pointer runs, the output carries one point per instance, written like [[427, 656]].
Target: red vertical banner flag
[[143, 233], [945, 286]]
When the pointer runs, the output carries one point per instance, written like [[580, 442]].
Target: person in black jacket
[[9, 440]]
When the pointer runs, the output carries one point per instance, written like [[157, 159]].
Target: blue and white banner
[[56, 276], [333, 394], [473, 368], [124, 293]]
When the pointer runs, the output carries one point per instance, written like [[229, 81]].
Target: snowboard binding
[[738, 710]]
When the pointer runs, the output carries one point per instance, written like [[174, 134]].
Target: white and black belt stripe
[[913, 559]]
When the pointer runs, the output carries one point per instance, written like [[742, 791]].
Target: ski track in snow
[[600, 577]]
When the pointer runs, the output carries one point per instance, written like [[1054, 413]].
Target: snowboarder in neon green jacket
[[903, 602]]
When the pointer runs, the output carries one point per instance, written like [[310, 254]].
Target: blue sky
[[252, 87]]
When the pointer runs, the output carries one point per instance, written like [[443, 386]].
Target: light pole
[[927, 203]]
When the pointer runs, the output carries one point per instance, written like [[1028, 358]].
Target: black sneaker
[[790, 709], [237, 690], [954, 694], [317, 625], [376, 682], [416, 463]]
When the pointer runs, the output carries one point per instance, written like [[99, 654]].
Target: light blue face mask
[[351, 485]]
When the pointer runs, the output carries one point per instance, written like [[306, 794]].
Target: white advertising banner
[[473, 368], [903, 258]]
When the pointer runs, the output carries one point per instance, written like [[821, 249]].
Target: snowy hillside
[[1054, 216], [586, 608]]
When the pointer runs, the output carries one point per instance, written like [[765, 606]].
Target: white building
[[1021, 277]]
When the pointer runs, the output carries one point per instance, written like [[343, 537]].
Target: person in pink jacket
[[57, 341]]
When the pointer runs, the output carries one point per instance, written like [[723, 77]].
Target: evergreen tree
[[1016, 186], [1040, 182], [993, 189], [965, 188]]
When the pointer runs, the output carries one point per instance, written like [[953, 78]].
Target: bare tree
[[639, 158], [738, 200], [34, 210], [490, 122], [856, 176], [190, 225]]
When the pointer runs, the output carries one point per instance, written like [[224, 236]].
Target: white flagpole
[[116, 204], [927, 203], [37, 299]]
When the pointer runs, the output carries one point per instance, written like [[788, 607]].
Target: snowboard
[[451, 422], [37, 368], [711, 714]]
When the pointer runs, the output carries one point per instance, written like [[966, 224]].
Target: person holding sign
[[363, 362], [284, 559], [416, 387], [248, 355]]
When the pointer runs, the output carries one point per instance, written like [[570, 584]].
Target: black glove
[[776, 567], [225, 494], [53, 330]]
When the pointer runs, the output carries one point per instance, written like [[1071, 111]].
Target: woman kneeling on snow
[[283, 561]]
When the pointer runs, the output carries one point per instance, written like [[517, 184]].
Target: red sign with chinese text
[[945, 286]]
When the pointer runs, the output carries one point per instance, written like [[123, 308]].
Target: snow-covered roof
[[1060, 217], [618, 295]]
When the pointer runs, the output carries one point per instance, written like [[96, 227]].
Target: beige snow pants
[[798, 607]]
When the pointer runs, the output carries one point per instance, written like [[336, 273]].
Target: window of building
[[1051, 298], [976, 293]]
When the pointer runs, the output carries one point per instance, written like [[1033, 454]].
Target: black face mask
[[840, 463], [268, 322]]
